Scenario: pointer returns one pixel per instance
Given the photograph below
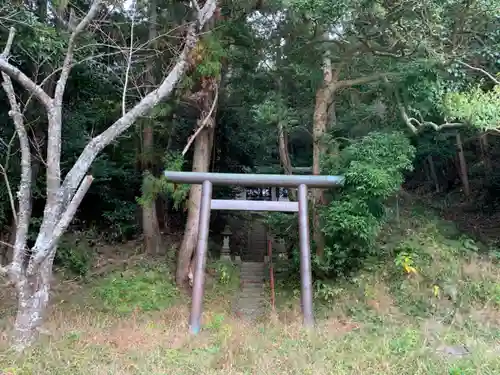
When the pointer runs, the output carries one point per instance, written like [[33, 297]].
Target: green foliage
[[373, 168], [227, 277], [141, 288], [320, 10], [121, 221], [274, 110], [74, 254], [211, 53], [476, 107], [152, 186], [327, 292]]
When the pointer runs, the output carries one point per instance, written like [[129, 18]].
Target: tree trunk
[[463, 166], [285, 157], [201, 161], [320, 122], [33, 299], [324, 98], [150, 226], [283, 149], [432, 169], [485, 154]]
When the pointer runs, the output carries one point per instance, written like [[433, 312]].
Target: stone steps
[[252, 298]]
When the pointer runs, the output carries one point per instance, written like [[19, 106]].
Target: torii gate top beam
[[260, 180]]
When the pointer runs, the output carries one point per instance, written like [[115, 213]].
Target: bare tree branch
[[67, 190], [416, 126], [196, 6], [357, 81], [204, 14], [68, 60], [489, 75], [20, 77], [55, 117], [392, 51], [129, 61], [24, 193], [203, 123], [55, 71]]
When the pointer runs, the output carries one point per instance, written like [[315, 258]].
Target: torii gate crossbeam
[[207, 180]]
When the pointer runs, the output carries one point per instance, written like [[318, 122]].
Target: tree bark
[[33, 299], [324, 97], [203, 145], [150, 226], [485, 151], [432, 169], [283, 149], [463, 166]]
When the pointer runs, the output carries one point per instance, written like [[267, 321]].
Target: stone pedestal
[[225, 253]]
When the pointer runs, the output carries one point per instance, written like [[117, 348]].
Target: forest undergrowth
[[428, 304]]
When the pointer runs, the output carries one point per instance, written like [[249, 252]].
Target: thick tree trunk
[[203, 145], [33, 298], [324, 96], [201, 161], [319, 130], [150, 226]]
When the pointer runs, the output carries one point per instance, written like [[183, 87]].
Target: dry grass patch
[[87, 341]]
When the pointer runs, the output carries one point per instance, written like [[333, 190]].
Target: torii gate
[[207, 180]]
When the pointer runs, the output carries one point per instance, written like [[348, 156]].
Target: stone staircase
[[251, 301], [257, 242]]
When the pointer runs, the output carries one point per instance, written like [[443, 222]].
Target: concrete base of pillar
[[237, 259], [225, 257]]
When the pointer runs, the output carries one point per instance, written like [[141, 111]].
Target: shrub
[[141, 288], [74, 254], [373, 167]]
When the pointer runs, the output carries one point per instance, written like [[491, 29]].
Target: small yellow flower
[[437, 291], [409, 269]]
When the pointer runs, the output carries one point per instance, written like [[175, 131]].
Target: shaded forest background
[[402, 98]]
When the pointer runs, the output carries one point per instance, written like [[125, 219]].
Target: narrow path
[[252, 301]]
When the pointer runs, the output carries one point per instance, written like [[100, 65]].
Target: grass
[[383, 321]]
